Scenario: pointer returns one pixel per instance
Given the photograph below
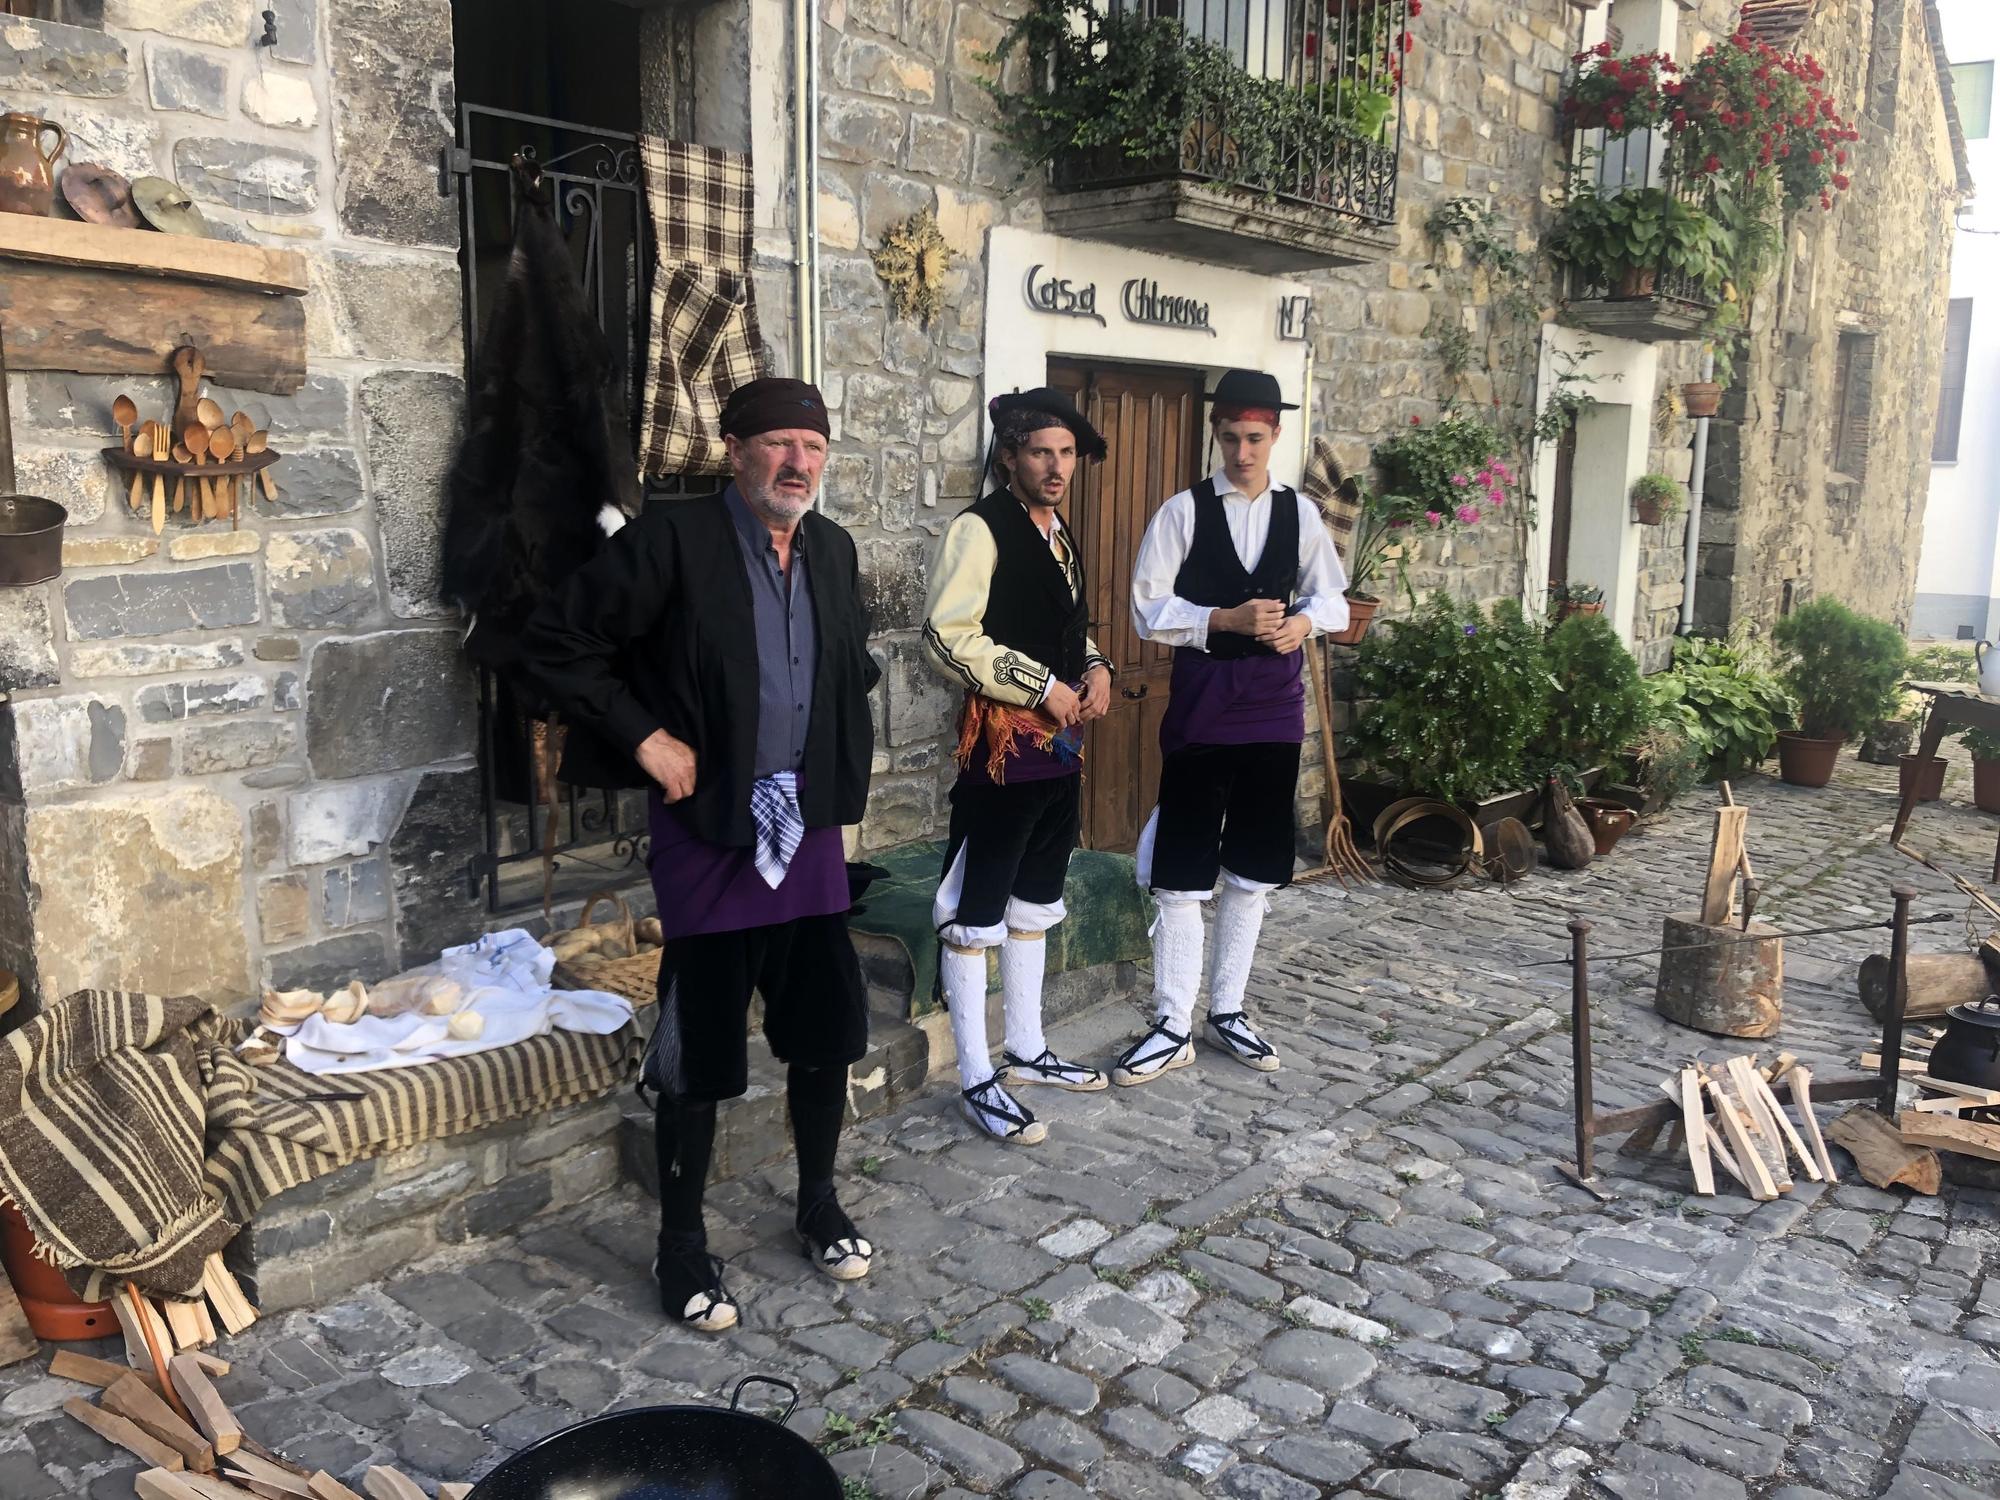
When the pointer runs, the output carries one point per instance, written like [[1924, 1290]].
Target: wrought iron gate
[[598, 838]]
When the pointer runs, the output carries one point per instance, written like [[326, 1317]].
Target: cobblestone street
[[1360, 1275]]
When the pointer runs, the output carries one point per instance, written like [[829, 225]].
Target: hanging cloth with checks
[[704, 341]]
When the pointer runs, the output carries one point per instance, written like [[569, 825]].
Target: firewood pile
[[163, 1407], [1731, 1117]]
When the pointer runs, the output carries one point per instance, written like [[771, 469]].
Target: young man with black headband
[[1007, 620], [1233, 574], [722, 645]]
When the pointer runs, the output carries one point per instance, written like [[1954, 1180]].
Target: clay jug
[[27, 173]]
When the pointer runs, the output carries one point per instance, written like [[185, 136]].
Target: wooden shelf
[[66, 242]]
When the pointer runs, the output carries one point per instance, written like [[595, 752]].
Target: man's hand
[[1061, 704], [1255, 618], [668, 762], [1096, 693], [1288, 636]]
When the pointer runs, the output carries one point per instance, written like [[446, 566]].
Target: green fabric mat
[[1107, 921]]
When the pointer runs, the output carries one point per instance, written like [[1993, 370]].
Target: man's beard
[[782, 505]]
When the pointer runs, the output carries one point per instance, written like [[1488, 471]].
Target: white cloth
[[506, 980], [1021, 916], [1239, 917], [964, 978], [1163, 616], [1022, 964]]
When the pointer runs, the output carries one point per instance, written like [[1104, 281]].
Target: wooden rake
[[1342, 858]]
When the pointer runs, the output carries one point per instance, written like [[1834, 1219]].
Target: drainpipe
[[1696, 482], [805, 174]]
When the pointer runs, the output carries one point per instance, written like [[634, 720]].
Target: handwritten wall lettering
[[1292, 315], [1143, 302]]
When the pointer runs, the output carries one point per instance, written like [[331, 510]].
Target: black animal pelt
[[547, 453]]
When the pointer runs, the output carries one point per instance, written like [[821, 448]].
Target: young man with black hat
[[722, 645], [1007, 620], [1234, 574]]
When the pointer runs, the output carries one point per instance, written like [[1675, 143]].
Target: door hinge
[[454, 162]]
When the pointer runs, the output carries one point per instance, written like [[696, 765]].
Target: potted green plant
[[1657, 499], [1624, 240], [1843, 668], [1568, 599], [1702, 398], [1985, 748]]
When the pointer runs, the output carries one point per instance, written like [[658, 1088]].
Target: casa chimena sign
[[1061, 297], [1144, 302]]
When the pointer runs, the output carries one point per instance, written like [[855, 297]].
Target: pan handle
[[736, 1396]]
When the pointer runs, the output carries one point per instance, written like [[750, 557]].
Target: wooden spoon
[[242, 426], [195, 438], [208, 413], [181, 456], [259, 442], [124, 413], [141, 446], [222, 447]]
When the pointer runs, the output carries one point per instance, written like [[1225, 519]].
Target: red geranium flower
[[1712, 164], [1840, 181], [1416, 7]]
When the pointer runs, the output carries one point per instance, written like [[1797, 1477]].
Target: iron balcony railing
[[1638, 160], [1334, 74]]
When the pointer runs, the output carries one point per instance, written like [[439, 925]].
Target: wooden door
[[1561, 507], [1151, 421]]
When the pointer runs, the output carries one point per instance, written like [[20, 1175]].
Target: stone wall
[[1783, 524], [237, 757]]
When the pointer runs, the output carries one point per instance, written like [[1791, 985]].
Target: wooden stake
[[268, 1479], [1776, 1112], [159, 1484], [230, 1304], [85, 1370], [387, 1484], [1801, 1082], [1762, 1188], [323, 1486], [1965, 1137], [211, 1413], [1725, 854], [181, 1322], [1694, 1125], [128, 1398], [207, 1363], [1885, 1159], [1965, 1091], [127, 1434], [1762, 1131]]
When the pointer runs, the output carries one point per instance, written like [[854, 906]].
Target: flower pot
[[1649, 512], [54, 1312], [1360, 613], [1703, 398], [1986, 785], [1807, 762], [1566, 609], [1637, 281], [1609, 821], [1927, 776], [1887, 741]]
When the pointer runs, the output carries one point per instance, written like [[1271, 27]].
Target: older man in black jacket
[[722, 645]]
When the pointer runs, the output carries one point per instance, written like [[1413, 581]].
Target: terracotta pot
[[1649, 512], [1566, 609], [1927, 776], [1360, 613], [1609, 821], [1986, 785], [54, 1312], [1703, 398], [1637, 281], [1807, 762]]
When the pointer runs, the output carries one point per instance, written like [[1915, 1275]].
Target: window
[[1951, 391], [1853, 404], [1972, 88]]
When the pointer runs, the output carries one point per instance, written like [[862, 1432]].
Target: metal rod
[[1697, 488], [1579, 1030], [1899, 999], [1933, 919], [6, 429]]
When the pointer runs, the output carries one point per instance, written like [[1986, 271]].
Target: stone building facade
[[232, 760]]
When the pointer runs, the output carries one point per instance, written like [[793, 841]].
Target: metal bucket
[[670, 1453], [31, 532]]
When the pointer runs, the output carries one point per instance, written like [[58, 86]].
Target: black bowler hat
[[1252, 388], [1044, 402]]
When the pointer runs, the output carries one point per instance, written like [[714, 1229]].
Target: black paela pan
[[670, 1453]]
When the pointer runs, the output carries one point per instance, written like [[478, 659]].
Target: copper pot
[[27, 173]]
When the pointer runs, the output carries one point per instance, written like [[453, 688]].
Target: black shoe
[[691, 1289], [830, 1241]]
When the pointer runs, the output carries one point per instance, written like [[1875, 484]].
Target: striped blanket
[[136, 1142]]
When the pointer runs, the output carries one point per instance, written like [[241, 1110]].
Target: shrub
[[1460, 697], [1599, 701], [1843, 668], [1727, 700]]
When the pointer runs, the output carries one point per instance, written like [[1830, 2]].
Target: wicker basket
[[637, 978]]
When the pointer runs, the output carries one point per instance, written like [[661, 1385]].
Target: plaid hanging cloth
[[704, 341], [1337, 495]]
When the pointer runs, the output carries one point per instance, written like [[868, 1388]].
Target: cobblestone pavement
[[1358, 1276]]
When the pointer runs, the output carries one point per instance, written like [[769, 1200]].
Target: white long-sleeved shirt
[[1162, 615]]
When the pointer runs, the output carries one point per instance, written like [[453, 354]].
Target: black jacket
[[1031, 606], [657, 632]]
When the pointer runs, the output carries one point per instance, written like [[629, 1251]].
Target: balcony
[[1621, 189], [1273, 135]]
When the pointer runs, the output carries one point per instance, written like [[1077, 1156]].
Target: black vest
[[1030, 607], [1213, 575]]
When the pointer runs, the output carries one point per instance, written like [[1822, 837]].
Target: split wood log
[[452, 1490], [1694, 1125], [1801, 1082], [323, 1486], [1969, 1092], [181, 1322], [1774, 1111], [1879, 1150], [209, 1364], [1778, 1067], [1939, 1133], [1755, 1173], [17, 1339], [210, 1487], [267, 1479], [148, 1342], [1720, 980], [211, 1413], [227, 1297], [128, 1398], [388, 1484], [251, 1445], [1725, 854], [86, 1370], [160, 1484], [1762, 1130], [126, 1434], [1937, 982]]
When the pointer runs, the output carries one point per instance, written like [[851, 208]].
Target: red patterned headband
[[1228, 411]]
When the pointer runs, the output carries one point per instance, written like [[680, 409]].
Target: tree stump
[[1721, 979], [1937, 981]]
